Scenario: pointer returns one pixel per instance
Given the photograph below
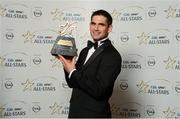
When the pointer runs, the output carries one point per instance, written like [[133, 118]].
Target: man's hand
[[69, 64]]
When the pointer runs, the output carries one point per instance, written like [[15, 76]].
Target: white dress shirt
[[90, 52]]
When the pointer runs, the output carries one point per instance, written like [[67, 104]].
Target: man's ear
[[110, 28]]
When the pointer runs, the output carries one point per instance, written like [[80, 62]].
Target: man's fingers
[[62, 58], [74, 60], [66, 61]]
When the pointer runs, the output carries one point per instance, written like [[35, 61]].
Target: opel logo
[[124, 38], [37, 13], [8, 84], [123, 85], [151, 62], [37, 60], [150, 112], [152, 13], [9, 35], [36, 108]]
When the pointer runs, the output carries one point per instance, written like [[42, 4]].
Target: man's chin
[[98, 39]]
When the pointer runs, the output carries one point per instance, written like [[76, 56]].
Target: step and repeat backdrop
[[145, 32]]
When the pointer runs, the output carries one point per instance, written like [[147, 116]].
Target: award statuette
[[65, 46]]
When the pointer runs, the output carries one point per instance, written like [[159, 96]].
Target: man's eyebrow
[[92, 22], [101, 24]]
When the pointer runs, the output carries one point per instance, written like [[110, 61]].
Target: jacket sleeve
[[71, 83]]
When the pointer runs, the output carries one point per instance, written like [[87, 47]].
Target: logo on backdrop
[[151, 62], [37, 12], [41, 37], [2, 61], [123, 85], [115, 15], [9, 35], [132, 61], [8, 84], [155, 87], [36, 107], [177, 113], [172, 12], [172, 63], [156, 37], [14, 60], [37, 60], [73, 14], [177, 36], [128, 110], [177, 88], [169, 113], [41, 84], [14, 109], [124, 37], [59, 109], [150, 111], [45, 36], [14, 11], [152, 12], [128, 14], [83, 38]]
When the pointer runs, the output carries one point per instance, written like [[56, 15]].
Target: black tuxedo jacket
[[93, 82]]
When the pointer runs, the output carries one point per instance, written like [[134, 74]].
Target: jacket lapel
[[82, 58], [96, 53]]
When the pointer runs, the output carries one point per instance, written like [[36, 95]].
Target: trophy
[[65, 46]]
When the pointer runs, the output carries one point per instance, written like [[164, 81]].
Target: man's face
[[99, 27]]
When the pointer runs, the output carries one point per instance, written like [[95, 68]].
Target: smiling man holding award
[[93, 75]]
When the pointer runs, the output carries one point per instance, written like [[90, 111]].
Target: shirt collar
[[99, 42]]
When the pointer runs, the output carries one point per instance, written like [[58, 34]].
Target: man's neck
[[99, 41]]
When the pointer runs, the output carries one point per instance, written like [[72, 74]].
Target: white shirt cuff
[[71, 73]]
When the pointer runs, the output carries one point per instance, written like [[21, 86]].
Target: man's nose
[[96, 27]]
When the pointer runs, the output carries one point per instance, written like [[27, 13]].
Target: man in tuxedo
[[92, 77]]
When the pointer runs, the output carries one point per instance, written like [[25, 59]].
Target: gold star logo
[[2, 11], [169, 113], [56, 62], [170, 62], [57, 14], [143, 38], [1, 111], [56, 109], [115, 14], [28, 36], [142, 87], [115, 108], [2, 61], [28, 85], [170, 12], [84, 38]]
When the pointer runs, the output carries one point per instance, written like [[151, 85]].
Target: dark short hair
[[103, 13]]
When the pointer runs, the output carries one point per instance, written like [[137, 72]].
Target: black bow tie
[[91, 44]]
